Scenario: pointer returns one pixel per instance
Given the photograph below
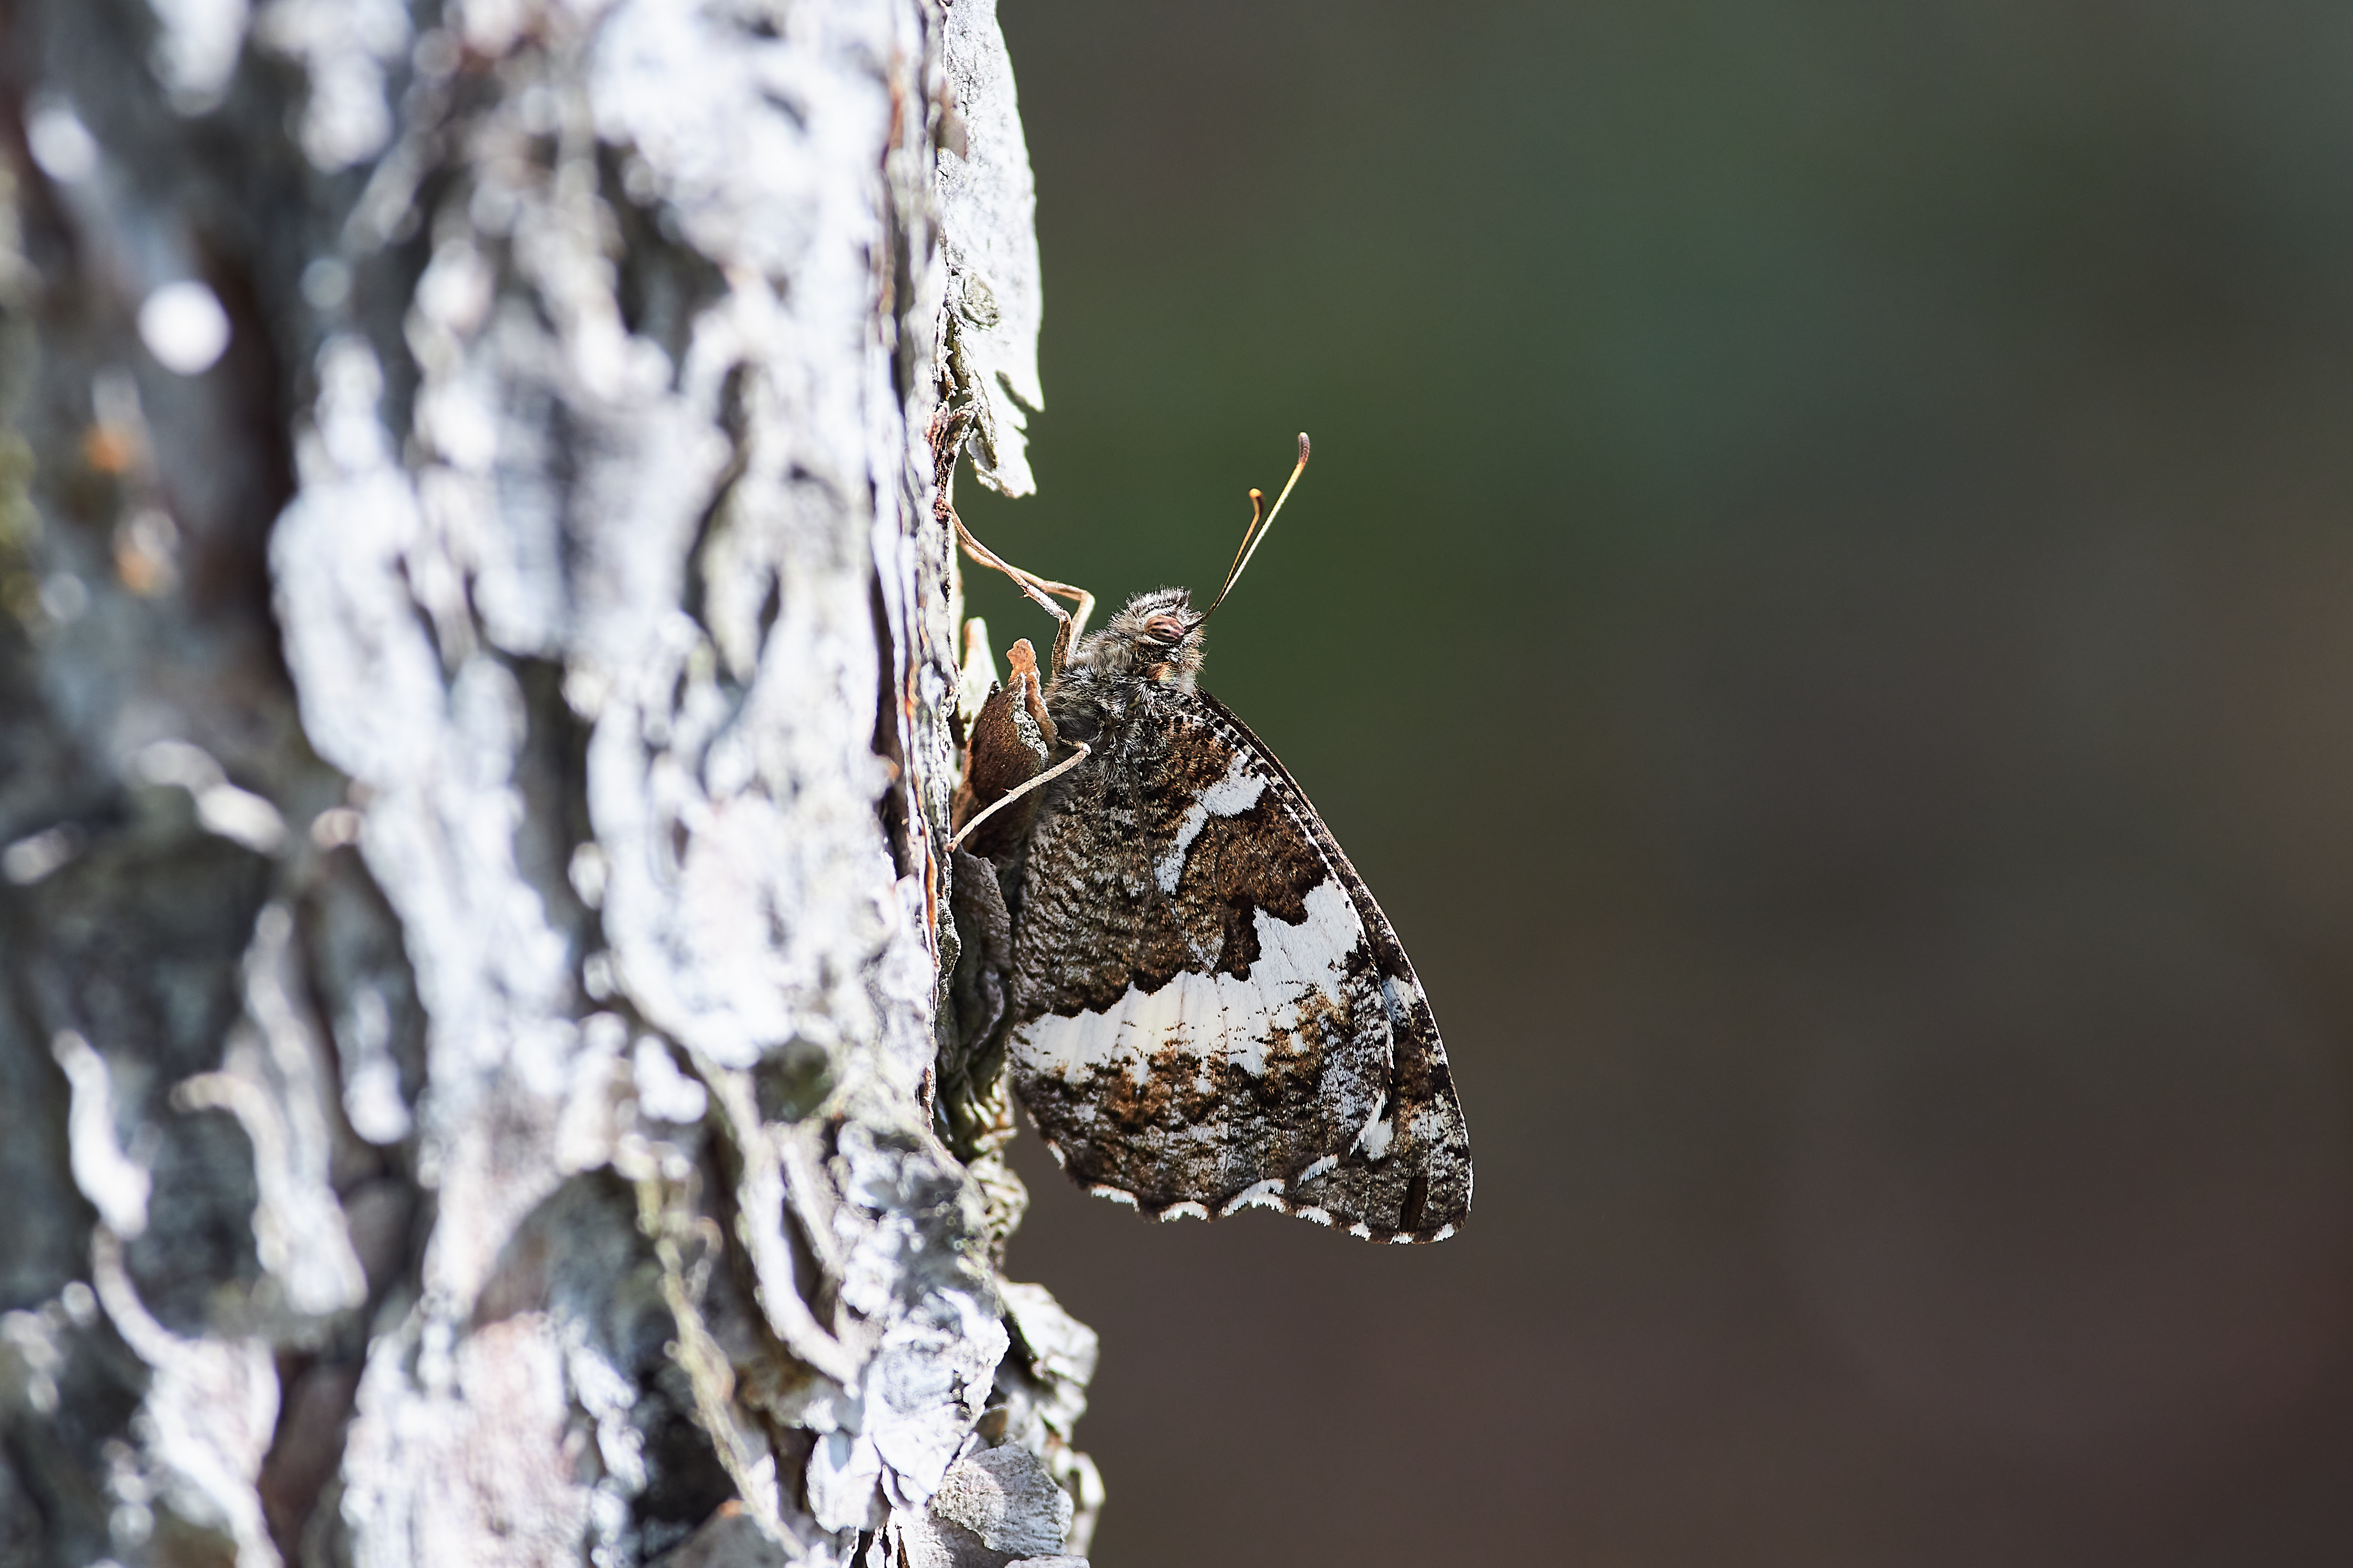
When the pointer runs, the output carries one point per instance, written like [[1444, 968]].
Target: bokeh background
[[1824, 606]]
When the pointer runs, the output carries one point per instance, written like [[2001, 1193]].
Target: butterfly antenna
[[1255, 535], [1258, 514]]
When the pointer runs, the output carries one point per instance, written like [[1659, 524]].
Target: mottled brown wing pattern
[[1424, 1180], [1208, 1009]]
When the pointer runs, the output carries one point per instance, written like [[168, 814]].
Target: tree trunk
[[476, 684]]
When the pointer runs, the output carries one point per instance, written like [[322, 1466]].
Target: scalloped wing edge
[[1266, 1195]]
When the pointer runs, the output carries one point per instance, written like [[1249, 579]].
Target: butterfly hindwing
[[1421, 1185], [1208, 1009]]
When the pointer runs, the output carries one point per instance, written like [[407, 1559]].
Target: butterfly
[[1201, 1004]]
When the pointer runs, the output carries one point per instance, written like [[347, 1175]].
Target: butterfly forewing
[[1208, 1009]]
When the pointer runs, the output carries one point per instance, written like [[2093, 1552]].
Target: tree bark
[[477, 677]]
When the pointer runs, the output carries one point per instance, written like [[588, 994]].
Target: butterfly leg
[[1073, 622], [1040, 781], [1008, 743]]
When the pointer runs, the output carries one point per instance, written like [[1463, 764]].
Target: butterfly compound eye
[[1167, 627]]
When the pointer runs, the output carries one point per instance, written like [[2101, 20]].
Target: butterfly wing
[[1208, 1009]]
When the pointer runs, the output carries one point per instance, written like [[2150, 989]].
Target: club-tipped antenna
[[1255, 535]]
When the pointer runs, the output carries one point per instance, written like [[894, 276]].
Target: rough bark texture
[[475, 756]]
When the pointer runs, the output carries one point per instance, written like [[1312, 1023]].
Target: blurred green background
[[1823, 607]]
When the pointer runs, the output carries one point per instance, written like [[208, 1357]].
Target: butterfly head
[[1157, 639]]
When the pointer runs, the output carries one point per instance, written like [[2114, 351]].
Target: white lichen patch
[[116, 1185]]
